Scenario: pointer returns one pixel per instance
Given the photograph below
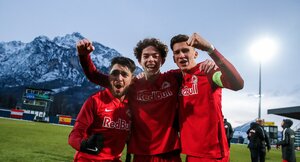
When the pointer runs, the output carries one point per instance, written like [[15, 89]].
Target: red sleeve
[[83, 122], [91, 71], [231, 79]]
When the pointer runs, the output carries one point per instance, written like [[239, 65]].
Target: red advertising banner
[[16, 113]]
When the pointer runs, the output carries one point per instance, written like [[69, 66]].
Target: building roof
[[291, 112]]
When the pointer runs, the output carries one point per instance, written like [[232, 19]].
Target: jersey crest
[[191, 89], [194, 79], [165, 85]]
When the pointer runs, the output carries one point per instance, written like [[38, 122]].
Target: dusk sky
[[232, 26]]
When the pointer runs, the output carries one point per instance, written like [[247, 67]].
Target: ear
[[196, 55], [174, 59]]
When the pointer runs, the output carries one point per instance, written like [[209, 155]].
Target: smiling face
[[151, 61], [120, 78], [184, 56]]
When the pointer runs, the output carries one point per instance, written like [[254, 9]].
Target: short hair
[[288, 122], [142, 44], [177, 39], [124, 61]]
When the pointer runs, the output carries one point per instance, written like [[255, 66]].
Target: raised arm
[[84, 48], [229, 76]]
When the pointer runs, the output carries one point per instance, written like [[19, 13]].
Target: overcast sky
[[231, 25]]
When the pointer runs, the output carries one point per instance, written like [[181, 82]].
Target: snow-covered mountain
[[49, 64], [47, 61]]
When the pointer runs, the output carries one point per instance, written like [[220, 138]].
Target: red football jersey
[[153, 106], [104, 114], [201, 120]]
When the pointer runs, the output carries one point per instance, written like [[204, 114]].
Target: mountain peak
[[68, 40], [41, 38], [76, 34]]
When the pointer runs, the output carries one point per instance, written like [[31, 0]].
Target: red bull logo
[[119, 124], [153, 95], [188, 91]]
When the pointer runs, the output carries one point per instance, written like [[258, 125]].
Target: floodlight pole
[[259, 92]]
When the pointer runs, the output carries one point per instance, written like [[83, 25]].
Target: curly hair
[[177, 39], [142, 44]]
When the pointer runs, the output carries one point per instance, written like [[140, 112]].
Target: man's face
[[184, 56], [151, 60], [120, 79]]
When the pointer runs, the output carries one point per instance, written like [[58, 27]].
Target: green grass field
[[23, 141]]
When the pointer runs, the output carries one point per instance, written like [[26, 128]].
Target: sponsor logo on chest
[[119, 124], [190, 90], [148, 95]]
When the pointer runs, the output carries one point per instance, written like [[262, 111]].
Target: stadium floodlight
[[263, 50]]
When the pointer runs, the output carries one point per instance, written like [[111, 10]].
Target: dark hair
[[178, 38], [124, 61], [287, 123], [142, 44]]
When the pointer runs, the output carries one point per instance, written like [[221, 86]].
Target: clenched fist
[[198, 42], [84, 47]]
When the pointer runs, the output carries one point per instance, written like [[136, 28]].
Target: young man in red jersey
[[102, 125], [153, 102], [202, 132]]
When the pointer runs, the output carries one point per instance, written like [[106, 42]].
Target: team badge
[[165, 85], [194, 79]]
